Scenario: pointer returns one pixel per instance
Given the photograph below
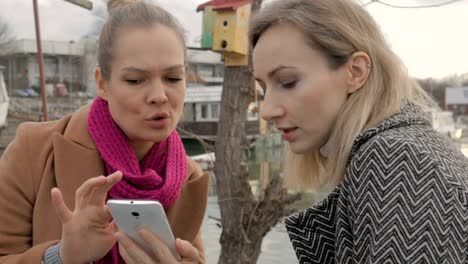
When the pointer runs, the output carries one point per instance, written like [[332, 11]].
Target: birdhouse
[[208, 27], [227, 22]]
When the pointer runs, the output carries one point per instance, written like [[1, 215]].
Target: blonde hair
[[131, 13], [338, 29]]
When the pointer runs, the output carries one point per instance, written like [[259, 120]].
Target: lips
[[158, 116], [286, 130], [288, 133], [158, 121]]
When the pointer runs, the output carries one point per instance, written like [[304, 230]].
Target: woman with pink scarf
[[52, 199]]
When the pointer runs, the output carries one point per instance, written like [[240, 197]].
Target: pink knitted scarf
[[159, 176]]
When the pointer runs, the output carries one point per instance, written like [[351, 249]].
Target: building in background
[[456, 100], [63, 64], [203, 101], [202, 109]]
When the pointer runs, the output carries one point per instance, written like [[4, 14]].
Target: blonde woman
[[355, 126], [52, 199]]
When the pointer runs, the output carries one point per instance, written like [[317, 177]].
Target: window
[[207, 111], [206, 70], [204, 111], [215, 111]]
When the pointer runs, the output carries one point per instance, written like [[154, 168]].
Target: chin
[[152, 136], [162, 135], [298, 149], [301, 148], [158, 137]]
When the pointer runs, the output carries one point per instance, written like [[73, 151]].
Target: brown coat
[[62, 154]]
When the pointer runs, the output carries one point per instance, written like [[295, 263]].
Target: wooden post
[[45, 115]]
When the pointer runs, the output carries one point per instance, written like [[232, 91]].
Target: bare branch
[[207, 147], [215, 218], [420, 6], [7, 36]]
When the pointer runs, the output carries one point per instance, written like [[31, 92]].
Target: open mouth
[[158, 117], [287, 130], [158, 122], [289, 133]]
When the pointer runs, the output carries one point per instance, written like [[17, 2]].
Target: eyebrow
[[170, 68], [277, 69]]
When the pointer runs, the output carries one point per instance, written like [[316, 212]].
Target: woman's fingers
[[98, 195], [63, 213], [132, 253], [186, 250], [125, 256], [115, 177], [132, 250], [84, 191], [160, 249], [113, 226]]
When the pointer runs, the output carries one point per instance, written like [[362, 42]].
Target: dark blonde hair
[[337, 29], [131, 13]]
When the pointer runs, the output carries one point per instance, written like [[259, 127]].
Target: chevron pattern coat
[[403, 199]]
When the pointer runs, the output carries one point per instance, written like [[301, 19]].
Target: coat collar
[[77, 128], [409, 115], [75, 156]]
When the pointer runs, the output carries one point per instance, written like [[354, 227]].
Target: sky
[[432, 42]]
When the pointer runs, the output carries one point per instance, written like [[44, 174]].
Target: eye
[[174, 79], [134, 81], [289, 84]]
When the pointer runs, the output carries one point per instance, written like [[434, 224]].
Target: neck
[[141, 148], [326, 150]]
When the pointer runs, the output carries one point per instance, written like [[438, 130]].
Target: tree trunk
[[245, 219]]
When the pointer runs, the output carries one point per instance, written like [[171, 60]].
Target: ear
[[358, 68], [101, 84]]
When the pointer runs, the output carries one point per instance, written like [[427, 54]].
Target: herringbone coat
[[403, 200]]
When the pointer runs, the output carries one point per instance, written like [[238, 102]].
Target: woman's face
[[303, 96], [146, 88]]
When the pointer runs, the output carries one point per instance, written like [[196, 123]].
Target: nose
[[157, 93], [272, 107]]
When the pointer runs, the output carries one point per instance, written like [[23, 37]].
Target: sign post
[[83, 3]]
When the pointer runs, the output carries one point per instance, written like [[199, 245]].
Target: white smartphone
[[131, 215]]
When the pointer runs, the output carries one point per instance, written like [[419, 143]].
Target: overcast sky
[[432, 42]]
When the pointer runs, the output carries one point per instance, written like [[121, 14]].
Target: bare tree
[[7, 36], [245, 219], [436, 87]]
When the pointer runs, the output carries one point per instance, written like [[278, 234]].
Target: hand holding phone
[[131, 215], [82, 242]]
